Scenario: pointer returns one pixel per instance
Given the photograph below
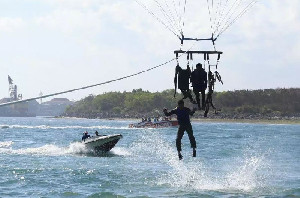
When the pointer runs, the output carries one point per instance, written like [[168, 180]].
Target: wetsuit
[[183, 81], [183, 117], [199, 83]]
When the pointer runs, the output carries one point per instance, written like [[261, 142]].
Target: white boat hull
[[102, 143]]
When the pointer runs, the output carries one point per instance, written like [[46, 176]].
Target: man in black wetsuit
[[183, 76], [183, 116], [199, 83]]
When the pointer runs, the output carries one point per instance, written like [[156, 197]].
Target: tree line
[[230, 104]]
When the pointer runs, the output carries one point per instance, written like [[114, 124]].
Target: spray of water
[[195, 173], [120, 151]]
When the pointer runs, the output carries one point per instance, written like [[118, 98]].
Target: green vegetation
[[282, 102], [259, 104]]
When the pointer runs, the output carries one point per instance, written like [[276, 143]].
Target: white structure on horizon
[[13, 90], [41, 100]]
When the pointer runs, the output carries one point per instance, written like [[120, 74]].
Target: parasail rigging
[[221, 14], [182, 17], [172, 15]]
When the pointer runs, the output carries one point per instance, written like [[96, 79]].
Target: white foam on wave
[[6, 144], [4, 126], [191, 173]]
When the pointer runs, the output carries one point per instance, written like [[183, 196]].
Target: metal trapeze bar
[[197, 39], [197, 52]]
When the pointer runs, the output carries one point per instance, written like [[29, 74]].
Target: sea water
[[43, 157]]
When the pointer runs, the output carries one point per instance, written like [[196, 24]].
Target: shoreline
[[212, 120], [250, 121]]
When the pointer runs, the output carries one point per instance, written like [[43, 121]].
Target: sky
[[51, 46]]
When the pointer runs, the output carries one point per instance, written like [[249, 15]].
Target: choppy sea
[[43, 157]]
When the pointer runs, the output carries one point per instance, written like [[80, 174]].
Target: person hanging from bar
[[183, 116], [199, 84], [184, 76]]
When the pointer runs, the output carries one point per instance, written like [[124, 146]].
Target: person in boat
[[183, 116], [85, 136], [157, 119]]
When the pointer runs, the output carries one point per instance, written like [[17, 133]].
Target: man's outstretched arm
[[168, 113], [191, 112]]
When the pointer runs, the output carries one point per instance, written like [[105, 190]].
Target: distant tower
[[13, 90], [41, 100]]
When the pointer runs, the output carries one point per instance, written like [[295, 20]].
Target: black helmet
[[180, 102]]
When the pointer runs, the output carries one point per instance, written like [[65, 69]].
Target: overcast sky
[[51, 46]]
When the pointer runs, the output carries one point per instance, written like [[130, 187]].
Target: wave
[[6, 144], [4, 126], [60, 127]]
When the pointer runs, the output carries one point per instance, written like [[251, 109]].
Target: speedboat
[[156, 124], [102, 143]]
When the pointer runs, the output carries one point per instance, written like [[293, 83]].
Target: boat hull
[[102, 144]]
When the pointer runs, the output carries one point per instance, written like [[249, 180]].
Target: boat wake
[[75, 148]]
